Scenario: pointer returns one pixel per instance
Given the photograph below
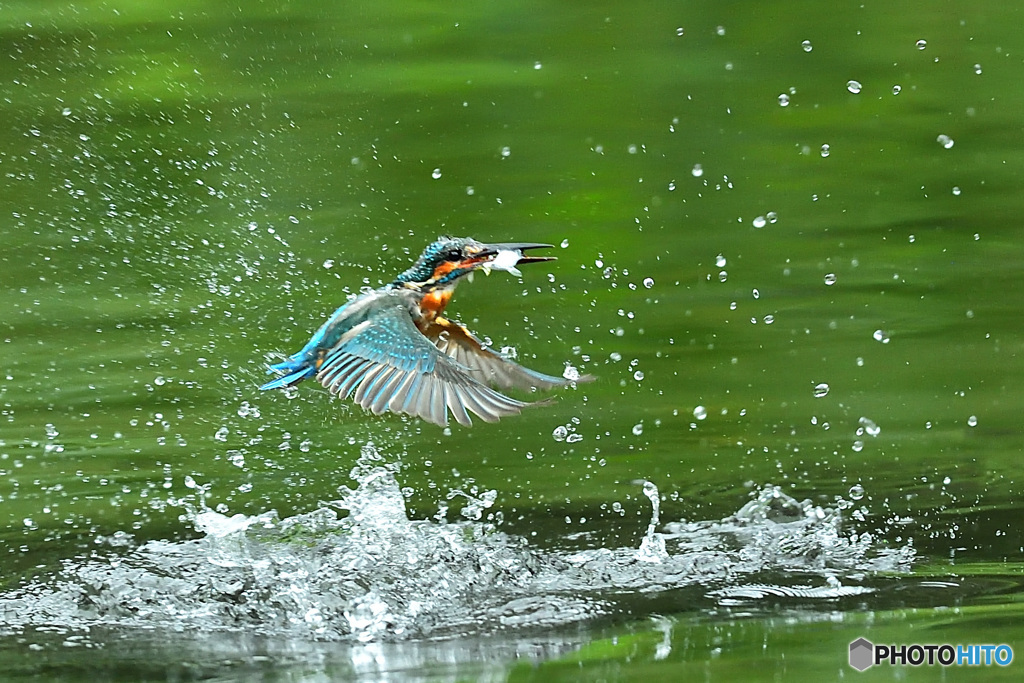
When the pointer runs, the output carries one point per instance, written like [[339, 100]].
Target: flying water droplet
[[720, 261], [946, 141], [856, 492], [436, 174], [825, 150], [760, 222], [697, 171], [869, 426], [648, 282], [700, 412], [783, 100], [881, 336], [638, 429], [972, 421], [854, 86], [806, 45], [560, 433], [821, 390], [830, 279], [897, 89], [922, 44]]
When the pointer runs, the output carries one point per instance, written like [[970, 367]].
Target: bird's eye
[[453, 255]]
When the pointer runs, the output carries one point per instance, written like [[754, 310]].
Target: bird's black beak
[[520, 247]]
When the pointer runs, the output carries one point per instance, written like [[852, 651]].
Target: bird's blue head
[[443, 262]]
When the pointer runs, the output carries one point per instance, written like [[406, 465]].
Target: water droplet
[[783, 100], [830, 279], [700, 412], [977, 69], [680, 31], [945, 141], [720, 261], [222, 434], [858, 446], [470, 190], [720, 30], [638, 429], [856, 492], [560, 433], [66, 111], [821, 390], [697, 171], [565, 243], [825, 151], [896, 89], [881, 335], [922, 44], [159, 381], [806, 45], [972, 421], [537, 66], [723, 276], [506, 151], [638, 375], [574, 438], [869, 426], [757, 294], [571, 373], [769, 319], [854, 86], [436, 174], [760, 222], [956, 191]]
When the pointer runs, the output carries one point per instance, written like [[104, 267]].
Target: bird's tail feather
[[295, 369]]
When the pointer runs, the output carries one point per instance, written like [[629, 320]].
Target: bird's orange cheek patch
[[444, 268]]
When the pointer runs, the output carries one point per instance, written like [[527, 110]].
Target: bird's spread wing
[[390, 365], [458, 343]]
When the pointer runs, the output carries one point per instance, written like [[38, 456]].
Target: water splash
[[372, 574]]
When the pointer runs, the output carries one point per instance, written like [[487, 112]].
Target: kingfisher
[[391, 349]]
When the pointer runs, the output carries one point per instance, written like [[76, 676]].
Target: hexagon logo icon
[[862, 654]]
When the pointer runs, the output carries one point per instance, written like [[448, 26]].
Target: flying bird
[[391, 349]]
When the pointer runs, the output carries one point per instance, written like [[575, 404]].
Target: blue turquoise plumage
[[391, 350]]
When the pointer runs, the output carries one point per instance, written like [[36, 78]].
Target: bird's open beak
[[518, 247]]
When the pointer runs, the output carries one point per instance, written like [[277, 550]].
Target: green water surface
[[776, 223]]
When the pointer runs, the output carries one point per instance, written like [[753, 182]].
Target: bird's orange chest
[[431, 306]]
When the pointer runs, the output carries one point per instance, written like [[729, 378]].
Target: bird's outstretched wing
[[389, 365], [490, 367]]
